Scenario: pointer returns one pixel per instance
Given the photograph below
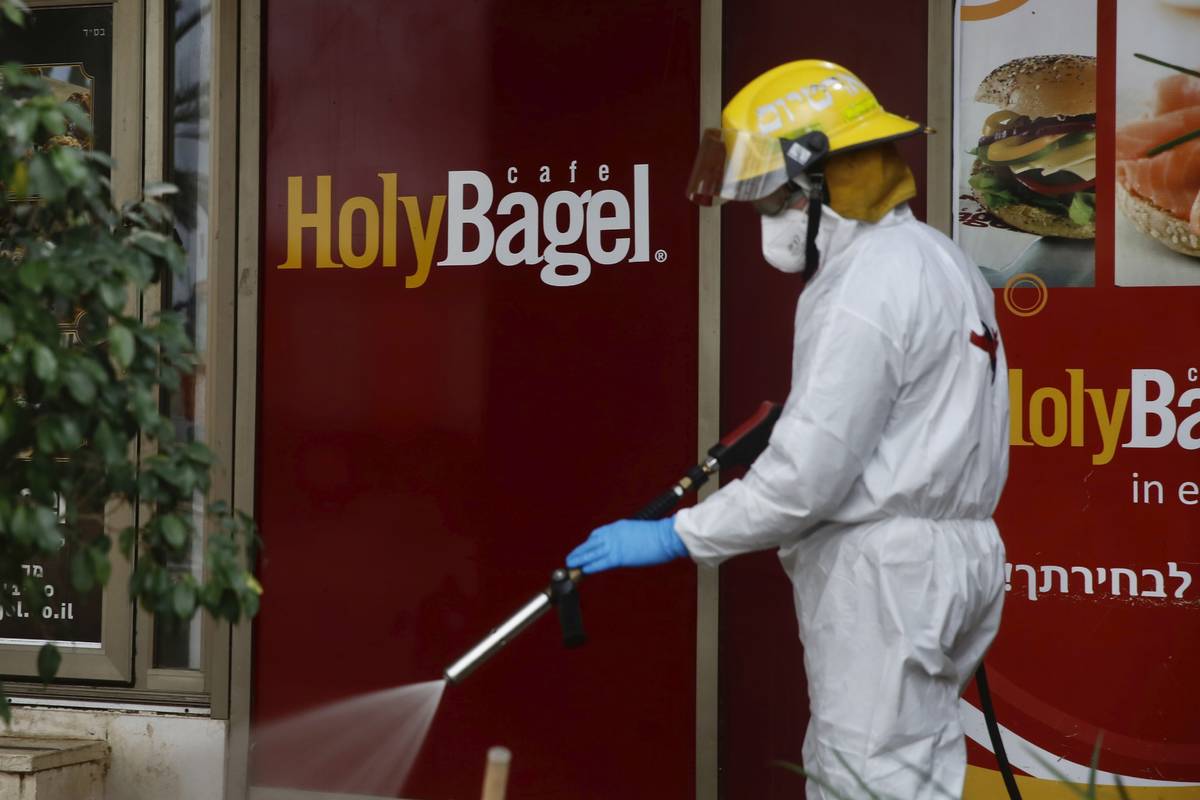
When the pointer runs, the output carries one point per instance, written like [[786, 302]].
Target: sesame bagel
[[1042, 86]]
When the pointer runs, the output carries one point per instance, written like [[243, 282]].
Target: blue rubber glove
[[628, 543]]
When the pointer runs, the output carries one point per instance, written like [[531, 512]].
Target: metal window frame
[[248, 139], [708, 420], [212, 678], [939, 168]]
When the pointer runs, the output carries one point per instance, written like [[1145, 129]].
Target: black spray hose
[[993, 727]]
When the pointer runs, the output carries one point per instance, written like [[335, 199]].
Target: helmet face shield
[[736, 165], [785, 197]]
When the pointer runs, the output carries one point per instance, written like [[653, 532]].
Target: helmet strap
[[804, 158], [816, 201]]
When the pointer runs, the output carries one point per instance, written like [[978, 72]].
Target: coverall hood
[[866, 184]]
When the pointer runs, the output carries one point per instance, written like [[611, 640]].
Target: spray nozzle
[[564, 594]]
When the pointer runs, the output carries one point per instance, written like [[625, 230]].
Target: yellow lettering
[[1110, 424], [1076, 407], [389, 218], [298, 220], [1016, 409], [1037, 429], [424, 239], [370, 249]]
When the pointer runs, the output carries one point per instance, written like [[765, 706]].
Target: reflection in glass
[[177, 646]]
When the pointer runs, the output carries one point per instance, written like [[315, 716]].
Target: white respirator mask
[[784, 237]]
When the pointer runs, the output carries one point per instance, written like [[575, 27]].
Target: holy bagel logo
[[1162, 409], [566, 231]]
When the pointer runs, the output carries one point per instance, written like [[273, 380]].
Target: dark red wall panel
[[429, 454]]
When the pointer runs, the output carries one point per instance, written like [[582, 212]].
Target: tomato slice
[[1035, 180]]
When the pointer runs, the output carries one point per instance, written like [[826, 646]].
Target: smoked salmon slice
[[1170, 180], [1176, 92]]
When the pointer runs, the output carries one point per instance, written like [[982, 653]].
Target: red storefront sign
[[478, 342]]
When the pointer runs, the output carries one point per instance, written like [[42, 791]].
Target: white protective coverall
[[878, 488]]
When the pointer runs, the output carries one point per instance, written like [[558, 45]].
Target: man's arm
[[830, 426]]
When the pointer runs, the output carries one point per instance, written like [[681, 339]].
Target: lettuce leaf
[[996, 191], [1083, 208]]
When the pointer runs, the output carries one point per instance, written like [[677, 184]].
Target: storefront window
[[189, 44]]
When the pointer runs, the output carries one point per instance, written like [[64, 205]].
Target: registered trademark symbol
[[660, 256]]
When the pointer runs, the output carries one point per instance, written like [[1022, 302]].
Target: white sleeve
[[829, 427]]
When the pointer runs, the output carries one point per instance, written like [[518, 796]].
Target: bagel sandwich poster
[[1077, 191], [1026, 133], [1157, 164]]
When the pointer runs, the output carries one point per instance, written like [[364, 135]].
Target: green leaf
[[82, 577], [70, 165], [153, 243], [126, 540], [110, 445], [16, 18], [66, 432], [229, 608], [174, 530], [45, 365], [1083, 208], [183, 600], [36, 527], [121, 345], [995, 194], [20, 180], [5, 708], [1094, 767], [80, 119], [199, 453], [44, 180], [250, 605], [53, 121], [21, 124], [7, 328], [80, 386], [101, 566], [33, 274], [48, 661], [112, 294]]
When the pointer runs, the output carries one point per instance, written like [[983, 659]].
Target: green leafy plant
[[81, 374]]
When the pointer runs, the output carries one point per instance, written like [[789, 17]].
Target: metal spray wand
[[738, 448]]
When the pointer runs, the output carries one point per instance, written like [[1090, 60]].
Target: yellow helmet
[[782, 125]]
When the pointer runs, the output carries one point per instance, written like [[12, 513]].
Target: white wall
[[154, 756]]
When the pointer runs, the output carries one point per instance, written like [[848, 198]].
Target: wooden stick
[[495, 779]]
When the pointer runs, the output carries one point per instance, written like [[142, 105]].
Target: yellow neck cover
[[866, 184]]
